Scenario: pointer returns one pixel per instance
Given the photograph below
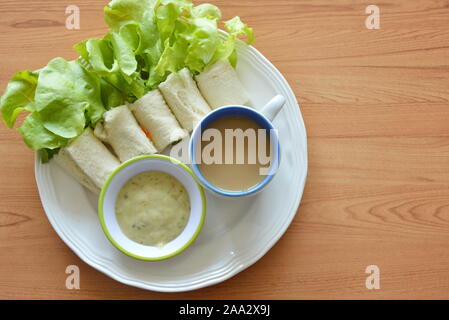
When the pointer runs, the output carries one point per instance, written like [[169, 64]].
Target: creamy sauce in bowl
[[236, 176], [152, 208]]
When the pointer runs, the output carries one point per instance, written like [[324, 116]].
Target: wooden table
[[376, 108]]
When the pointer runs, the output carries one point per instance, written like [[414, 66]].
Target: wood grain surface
[[376, 108]]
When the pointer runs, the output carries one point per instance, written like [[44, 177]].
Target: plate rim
[[236, 265]]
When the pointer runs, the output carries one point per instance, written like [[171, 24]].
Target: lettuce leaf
[[19, 96], [67, 84], [168, 35], [167, 14], [112, 60], [46, 154], [36, 136], [134, 21], [118, 12], [110, 95], [226, 50], [236, 27], [123, 53], [65, 100], [99, 54], [64, 119], [147, 40]]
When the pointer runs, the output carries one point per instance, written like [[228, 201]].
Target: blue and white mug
[[263, 118]]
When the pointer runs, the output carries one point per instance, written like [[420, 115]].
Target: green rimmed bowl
[[115, 182]]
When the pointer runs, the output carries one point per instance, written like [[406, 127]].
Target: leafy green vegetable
[[46, 154], [100, 55], [206, 10], [167, 15], [110, 95], [65, 92], [236, 27], [118, 12], [36, 136], [226, 49], [62, 97], [19, 96], [147, 40], [166, 36], [64, 120], [124, 54]]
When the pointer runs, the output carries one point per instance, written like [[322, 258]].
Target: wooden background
[[376, 107]]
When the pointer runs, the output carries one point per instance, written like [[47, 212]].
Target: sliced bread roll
[[87, 160], [153, 114], [221, 86], [123, 133], [100, 132], [65, 161], [184, 99]]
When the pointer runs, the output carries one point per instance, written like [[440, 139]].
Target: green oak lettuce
[[68, 97], [62, 99], [146, 41], [19, 96]]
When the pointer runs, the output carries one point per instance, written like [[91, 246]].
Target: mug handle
[[272, 108]]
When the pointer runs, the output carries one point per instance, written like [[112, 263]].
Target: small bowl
[[263, 118], [115, 182]]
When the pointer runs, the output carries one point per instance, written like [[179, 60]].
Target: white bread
[[65, 161], [88, 160], [221, 86], [124, 134], [153, 114], [100, 132], [184, 99]]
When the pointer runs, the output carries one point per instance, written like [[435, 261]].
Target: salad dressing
[[152, 208]]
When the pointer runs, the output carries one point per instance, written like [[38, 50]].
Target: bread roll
[[153, 114], [124, 134], [184, 99], [87, 160], [221, 86]]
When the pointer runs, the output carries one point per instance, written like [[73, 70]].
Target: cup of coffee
[[234, 151]]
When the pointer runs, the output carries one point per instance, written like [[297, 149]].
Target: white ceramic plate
[[236, 233]]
